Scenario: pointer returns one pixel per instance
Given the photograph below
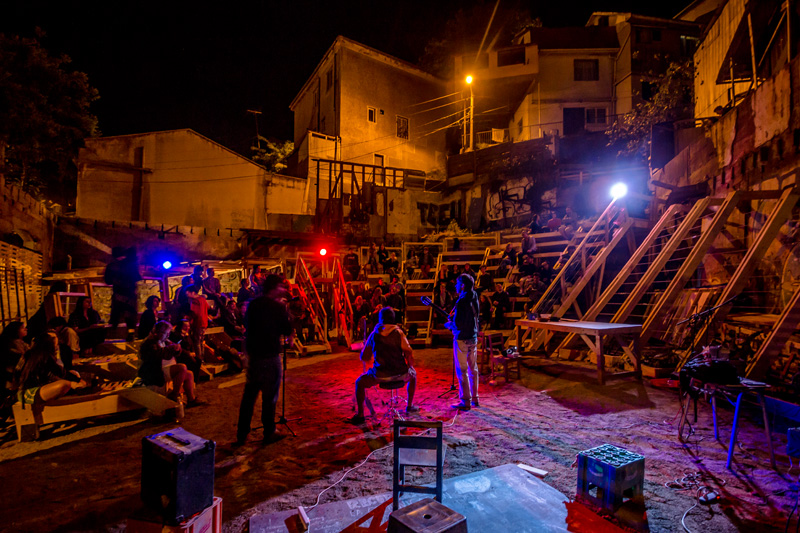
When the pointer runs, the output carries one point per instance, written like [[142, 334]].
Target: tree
[[271, 154], [44, 117], [630, 133]]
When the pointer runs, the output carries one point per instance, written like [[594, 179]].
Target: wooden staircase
[[343, 308], [308, 292]]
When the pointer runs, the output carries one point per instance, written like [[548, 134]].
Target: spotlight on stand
[[618, 190], [166, 265]]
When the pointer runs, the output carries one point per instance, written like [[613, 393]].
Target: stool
[[497, 359], [427, 516], [394, 401], [615, 473]]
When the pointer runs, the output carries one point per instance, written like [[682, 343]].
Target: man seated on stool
[[394, 361]]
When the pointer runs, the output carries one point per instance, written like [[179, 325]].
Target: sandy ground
[[85, 477]]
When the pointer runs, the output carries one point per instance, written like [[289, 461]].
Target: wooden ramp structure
[[637, 284], [580, 279], [308, 291]]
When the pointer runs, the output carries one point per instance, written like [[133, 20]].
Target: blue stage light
[[167, 265]]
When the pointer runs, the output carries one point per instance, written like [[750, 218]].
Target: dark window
[[372, 115], [329, 80], [587, 69], [596, 115], [574, 120], [402, 127], [648, 90], [378, 160], [511, 56], [688, 45], [602, 21], [648, 35]]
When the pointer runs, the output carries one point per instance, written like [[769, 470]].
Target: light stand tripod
[[282, 420], [452, 382]]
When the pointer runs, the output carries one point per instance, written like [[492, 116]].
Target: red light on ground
[[323, 251]]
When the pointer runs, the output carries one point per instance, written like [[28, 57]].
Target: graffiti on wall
[[439, 214]]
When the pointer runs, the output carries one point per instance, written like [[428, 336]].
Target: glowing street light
[[619, 190], [471, 111]]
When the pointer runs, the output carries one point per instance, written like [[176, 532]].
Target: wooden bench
[[28, 418]]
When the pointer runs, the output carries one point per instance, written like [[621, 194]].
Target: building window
[[587, 69], [329, 79], [688, 45], [402, 127], [648, 90], [648, 35], [519, 128], [372, 115], [596, 115], [378, 160], [512, 56]]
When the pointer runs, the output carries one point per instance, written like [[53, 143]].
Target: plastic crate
[[615, 473], [207, 521]]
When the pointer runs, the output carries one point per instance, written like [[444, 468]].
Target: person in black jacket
[[464, 326], [502, 304], [265, 322], [122, 274]]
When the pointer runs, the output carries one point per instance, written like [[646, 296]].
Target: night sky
[[168, 65]]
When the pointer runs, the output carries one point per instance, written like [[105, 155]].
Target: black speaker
[[177, 474]]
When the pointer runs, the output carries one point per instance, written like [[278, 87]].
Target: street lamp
[[471, 111]]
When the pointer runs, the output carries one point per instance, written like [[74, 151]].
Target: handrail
[[344, 313], [303, 278]]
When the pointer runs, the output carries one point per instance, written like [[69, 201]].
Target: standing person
[[122, 274], [351, 264], [266, 320], [149, 317], [199, 307], [464, 326]]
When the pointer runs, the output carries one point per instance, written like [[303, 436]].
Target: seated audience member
[[427, 258], [528, 267], [87, 323], [159, 365], [412, 264], [182, 335], [396, 302], [383, 256], [443, 299], [42, 377], [69, 345], [351, 292], [212, 284], [425, 272], [392, 264], [502, 304], [485, 280], [149, 317], [198, 276], [382, 286], [528, 243], [444, 275], [509, 257], [361, 290], [350, 263], [485, 305], [393, 359], [535, 226], [298, 315], [395, 281], [231, 320], [468, 270], [256, 280], [554, 222], [361, 311], [545, 272], [245, 292], [533, 287], [37, 324], [12, 350]]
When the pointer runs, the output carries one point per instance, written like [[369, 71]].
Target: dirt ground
[[85, 477]]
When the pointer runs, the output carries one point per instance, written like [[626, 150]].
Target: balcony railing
[[494, 136]]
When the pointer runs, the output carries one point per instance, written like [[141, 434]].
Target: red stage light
[[323, 251]]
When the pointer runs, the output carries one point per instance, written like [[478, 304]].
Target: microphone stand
[[283, 420]]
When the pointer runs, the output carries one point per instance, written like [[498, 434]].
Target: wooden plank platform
[[505, 498]]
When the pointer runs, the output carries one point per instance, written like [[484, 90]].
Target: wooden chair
[[500, 362], [417, 450]]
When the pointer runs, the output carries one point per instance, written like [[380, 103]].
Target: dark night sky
[[168, 65]]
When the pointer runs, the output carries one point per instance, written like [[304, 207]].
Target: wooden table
[[598, 330]]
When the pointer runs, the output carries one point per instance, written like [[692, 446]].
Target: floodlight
[[469, 80], [167, 265], [618, 190], [323, 252]]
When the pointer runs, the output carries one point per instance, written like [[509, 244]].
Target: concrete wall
[[557, 90], [178, 178], [29, 219]]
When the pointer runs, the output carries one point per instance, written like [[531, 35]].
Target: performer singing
[[464, 326], [394, 361], [265, 321]]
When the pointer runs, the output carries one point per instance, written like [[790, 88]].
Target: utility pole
[[471, 113], [255, 116]]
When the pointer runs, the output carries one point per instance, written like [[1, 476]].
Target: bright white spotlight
[[618, 190], [167, 265]]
